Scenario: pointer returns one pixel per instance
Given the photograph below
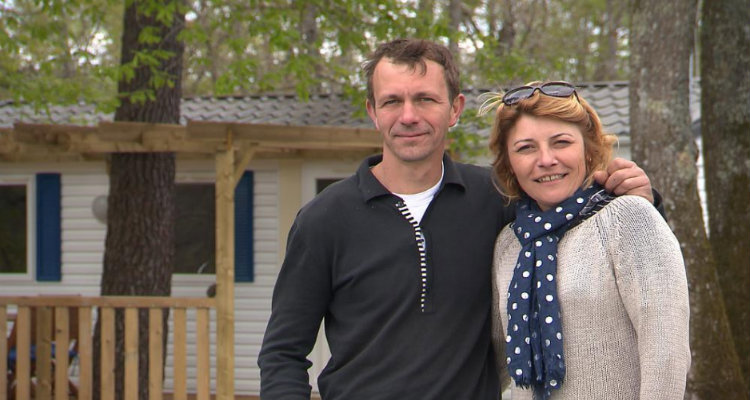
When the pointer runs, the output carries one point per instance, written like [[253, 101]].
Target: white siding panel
[[82, 284], [269, 245], [263, 209], [75, 259], [253, 300], [269, 224], [72, 224], [82, 235]]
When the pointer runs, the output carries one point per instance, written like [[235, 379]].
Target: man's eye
[[388, 103]]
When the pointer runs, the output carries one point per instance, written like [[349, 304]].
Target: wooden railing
[[45, 323]]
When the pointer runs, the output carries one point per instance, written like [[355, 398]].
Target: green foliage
[[63, 51], [468, 139], [55, 52]]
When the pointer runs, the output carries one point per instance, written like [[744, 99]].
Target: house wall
[[83, 240], [82, 236], [253, 300]]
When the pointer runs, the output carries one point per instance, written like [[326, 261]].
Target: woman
[[590, 293]]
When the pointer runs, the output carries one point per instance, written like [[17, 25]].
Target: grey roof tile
[[610, 99]]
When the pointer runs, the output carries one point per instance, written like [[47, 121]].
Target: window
[[13, 221], [17, 227], [322, 183], [195, 228], [195, 236]]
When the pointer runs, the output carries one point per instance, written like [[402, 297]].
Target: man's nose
[[409, 113]]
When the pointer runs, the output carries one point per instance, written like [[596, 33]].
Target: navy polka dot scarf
[[534, 342]]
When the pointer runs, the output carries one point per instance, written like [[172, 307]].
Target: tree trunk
[[455, 17], [308, 27], [139, 248], [663, 145], [506, 36], [607, 65], [425, 18], [725, 127]]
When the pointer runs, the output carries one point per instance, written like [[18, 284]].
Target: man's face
[[412, 110]]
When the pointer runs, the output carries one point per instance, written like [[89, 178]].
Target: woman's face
[[547, 158]]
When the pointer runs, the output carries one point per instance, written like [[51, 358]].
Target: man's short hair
[[413, 53]]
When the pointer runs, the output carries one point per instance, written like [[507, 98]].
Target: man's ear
[[371, 112], [457, 108]]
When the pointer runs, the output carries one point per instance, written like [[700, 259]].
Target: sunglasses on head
[[554, 89]]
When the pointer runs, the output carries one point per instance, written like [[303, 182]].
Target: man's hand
[[625, 177]]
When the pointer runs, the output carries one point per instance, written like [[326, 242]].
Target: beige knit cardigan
[[624, 302]]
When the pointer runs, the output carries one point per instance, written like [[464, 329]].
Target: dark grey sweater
[[398, 327]]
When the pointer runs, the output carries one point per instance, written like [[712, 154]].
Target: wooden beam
[[46, 133], [246, 155], [109, 301], [37, 142], [225, 184], [287, 135]]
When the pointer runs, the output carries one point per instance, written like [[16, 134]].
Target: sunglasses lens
[[555, 89], [518, 94], [558, 90]]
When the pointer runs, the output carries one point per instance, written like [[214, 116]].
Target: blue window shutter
[[243, 229], [48, 228]]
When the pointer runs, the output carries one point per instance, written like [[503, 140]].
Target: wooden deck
[[45, 323]]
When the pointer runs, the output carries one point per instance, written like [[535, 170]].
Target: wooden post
[[225, 184], [155, 354], [23, 352], [3, 352], [179, 330], [43, 352], [107, 363], [62, 342], [203, 378], [131, 354], [85, 354]]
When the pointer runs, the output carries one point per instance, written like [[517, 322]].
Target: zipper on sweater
[[424, 283]]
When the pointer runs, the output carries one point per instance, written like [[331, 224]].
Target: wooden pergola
[[232, 145]]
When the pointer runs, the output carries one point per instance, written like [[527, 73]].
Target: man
[[397, 257]]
